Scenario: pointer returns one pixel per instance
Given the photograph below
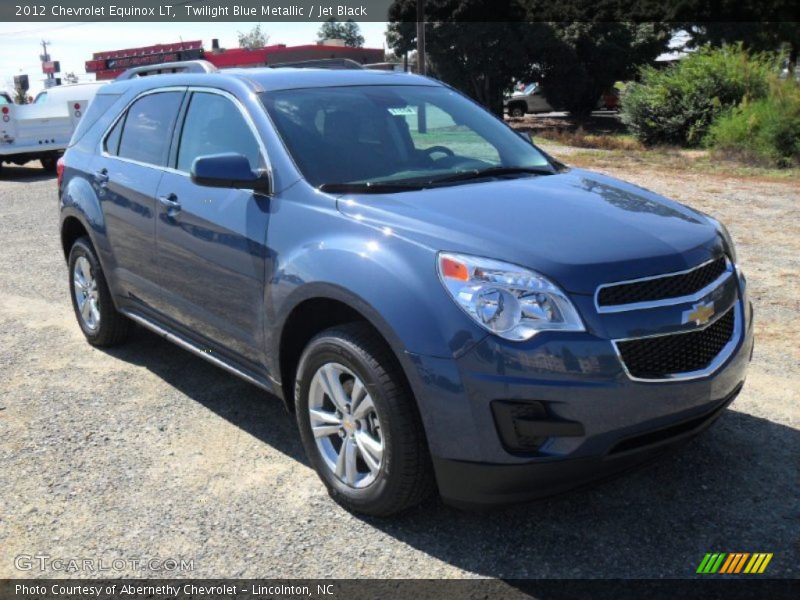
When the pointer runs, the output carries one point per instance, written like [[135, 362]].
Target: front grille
[[660, 288], [659, 357]]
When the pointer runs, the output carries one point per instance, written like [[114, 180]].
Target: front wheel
[[359, 423]]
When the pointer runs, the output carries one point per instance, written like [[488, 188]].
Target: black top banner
[[384, 10]]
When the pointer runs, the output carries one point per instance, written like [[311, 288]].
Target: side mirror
[[526, 135], [228, 171]]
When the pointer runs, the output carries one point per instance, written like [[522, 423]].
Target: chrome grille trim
[[698, 295], [713, 366]]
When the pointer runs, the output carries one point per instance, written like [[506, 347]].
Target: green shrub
[[764, 131], [677, 105]]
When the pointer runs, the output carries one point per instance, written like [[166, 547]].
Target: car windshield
[[387, 136], [529, 88]]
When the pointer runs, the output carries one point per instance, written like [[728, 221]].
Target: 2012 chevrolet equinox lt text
[[440, 303]]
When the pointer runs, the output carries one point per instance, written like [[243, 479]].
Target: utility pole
[[421, 63], [45, 58]]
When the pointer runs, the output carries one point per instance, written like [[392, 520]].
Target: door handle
[[170, 202], [101, 176]]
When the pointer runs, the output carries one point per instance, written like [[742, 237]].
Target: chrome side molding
[[205, 354]]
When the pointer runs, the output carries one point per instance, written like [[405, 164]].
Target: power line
[[43, 29]]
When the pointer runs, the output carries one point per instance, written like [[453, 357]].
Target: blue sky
[[74, 43]]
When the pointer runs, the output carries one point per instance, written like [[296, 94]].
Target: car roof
[[268, 79], [286, 78]]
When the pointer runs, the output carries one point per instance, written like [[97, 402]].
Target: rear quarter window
[[97, 108]]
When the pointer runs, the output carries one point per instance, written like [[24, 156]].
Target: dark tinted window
[[383, 133], [146, 134], [214, 125], [112, 140]]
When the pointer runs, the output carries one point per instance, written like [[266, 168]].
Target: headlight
[[510, 301], [727, 240]]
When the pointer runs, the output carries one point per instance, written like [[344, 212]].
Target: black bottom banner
[[422, 589]]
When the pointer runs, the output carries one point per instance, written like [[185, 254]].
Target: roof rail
[[183, 66], [321, 63]]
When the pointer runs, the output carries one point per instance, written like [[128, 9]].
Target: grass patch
[[666, 159], [579, 138]]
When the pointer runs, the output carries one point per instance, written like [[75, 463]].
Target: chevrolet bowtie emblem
[[700, 314]]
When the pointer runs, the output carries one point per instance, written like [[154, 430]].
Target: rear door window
[[148, 125], [215, 125]]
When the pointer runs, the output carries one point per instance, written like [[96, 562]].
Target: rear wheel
[[91, 299], [516, 110], [359, 423], [49, 164]]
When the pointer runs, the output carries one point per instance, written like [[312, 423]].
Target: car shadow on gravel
[[250, 408], [733, 489], [24, 174]]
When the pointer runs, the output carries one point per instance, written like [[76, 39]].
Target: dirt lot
[[146, 451]]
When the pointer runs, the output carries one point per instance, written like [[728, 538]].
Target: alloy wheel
[[86, 293], [346, 425]]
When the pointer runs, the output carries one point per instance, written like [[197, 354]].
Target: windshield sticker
[[403, 111]]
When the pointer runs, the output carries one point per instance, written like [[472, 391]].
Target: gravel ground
[[147, 451]]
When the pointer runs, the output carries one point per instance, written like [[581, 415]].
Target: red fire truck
[[107, 65]]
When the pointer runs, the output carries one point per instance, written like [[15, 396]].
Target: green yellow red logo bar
[[734, 562]]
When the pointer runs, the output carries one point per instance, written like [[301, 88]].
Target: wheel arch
[[318, 307], [72, 228]]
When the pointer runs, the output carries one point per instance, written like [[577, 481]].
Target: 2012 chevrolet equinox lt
[[439, 302]]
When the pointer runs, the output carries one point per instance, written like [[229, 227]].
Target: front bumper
[[470, 484], [580, 380]]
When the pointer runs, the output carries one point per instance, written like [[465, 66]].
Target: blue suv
[[440, 303]]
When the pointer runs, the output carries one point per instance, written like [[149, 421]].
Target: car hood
[[579, 228]]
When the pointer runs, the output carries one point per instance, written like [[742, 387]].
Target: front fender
[[389, 280]]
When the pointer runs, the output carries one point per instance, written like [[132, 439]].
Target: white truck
[[42, 130]]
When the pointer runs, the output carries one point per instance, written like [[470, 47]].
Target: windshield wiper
[[369, 188], [389, 187], [491, 172]]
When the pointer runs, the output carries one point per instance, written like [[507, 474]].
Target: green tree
[[20, 96], [477, 46], [349, 31], [782, 37], [255, 38], [580, 60], [482, 46], [759, 25]]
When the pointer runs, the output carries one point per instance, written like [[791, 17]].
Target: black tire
[[113, 328], [405, 477], [517, 111], [49, 164]]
